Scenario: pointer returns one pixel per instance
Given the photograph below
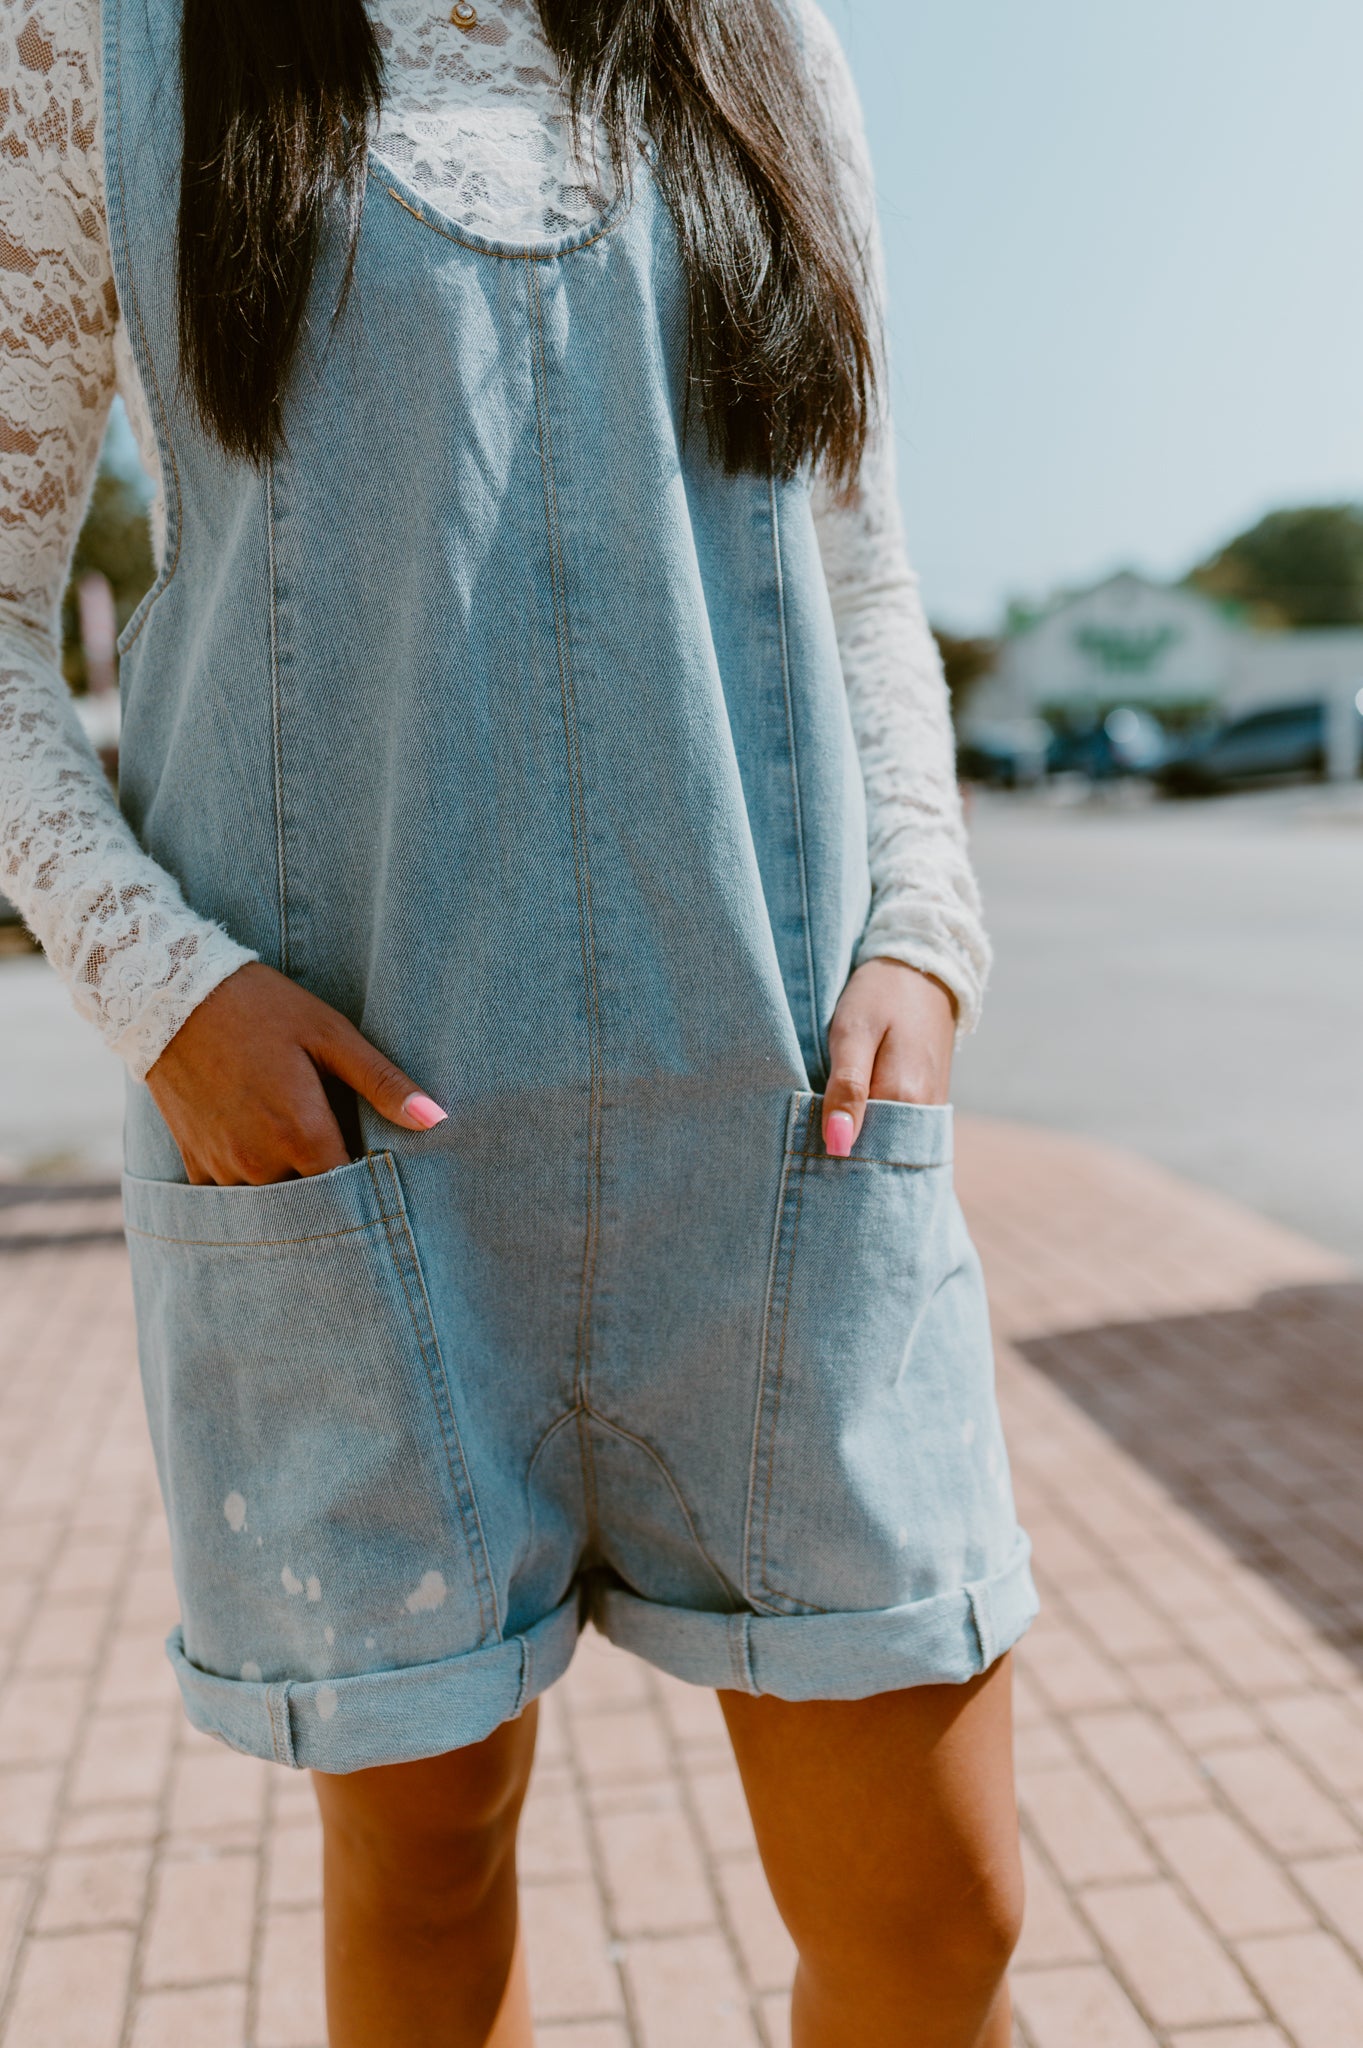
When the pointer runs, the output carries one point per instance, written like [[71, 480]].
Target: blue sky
[[1125, 246]]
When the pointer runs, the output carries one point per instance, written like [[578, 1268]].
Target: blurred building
[[1163, 648]]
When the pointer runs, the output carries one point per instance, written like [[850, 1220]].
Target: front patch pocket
[[322, 1521], [879, 1476]]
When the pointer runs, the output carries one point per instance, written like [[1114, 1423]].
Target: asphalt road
[[1186, 980], [61, 1090]]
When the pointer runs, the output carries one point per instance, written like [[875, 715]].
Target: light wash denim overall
[[497, 715]]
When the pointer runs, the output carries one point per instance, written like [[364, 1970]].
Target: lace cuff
[[202, 956], [933, 948]]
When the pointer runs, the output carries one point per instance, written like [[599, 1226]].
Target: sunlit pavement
[[1186, 1415], [1185, 979], [61, 1090]]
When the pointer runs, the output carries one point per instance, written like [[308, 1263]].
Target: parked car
[[1011, 756], [1285, 742], [1128, 741]]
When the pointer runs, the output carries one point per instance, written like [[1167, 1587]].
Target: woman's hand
[[892, 1037], [241, 1086]]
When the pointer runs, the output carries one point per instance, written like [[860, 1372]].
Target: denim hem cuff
[[424, 1710], [380, 1717], [942, 1641]]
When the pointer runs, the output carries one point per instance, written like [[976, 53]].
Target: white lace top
[[476, 121]]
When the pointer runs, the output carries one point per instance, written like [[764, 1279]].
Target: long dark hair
[[279, 95]]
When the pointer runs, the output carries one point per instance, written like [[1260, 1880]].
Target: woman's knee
[[978, 1932], [959, 1938], [434, 1837]]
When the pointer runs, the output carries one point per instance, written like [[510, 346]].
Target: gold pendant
[[464, 15]]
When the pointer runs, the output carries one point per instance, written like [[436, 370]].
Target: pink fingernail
[[838, 1135], [423, 1112]]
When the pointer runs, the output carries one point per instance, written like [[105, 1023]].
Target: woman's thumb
[[348, 1055]]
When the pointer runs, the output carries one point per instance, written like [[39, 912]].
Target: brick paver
[[1185, 1404]]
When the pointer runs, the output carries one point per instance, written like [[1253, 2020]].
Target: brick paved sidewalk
[[1184, 1390]]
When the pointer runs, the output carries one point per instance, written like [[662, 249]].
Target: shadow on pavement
[[40, 1215], [1253, 1420]]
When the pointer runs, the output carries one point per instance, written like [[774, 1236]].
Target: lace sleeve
[[114, 925], [925, 904]]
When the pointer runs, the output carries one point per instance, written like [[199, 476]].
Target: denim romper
[[493, 712]]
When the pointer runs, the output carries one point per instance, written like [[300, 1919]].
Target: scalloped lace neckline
[[476, 121]]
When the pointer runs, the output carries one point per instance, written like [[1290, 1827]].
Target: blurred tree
[[1298, 567], [966, 661], [1022, 613], [116, 540]]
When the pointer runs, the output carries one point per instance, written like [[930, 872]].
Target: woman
[[536, 931]]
